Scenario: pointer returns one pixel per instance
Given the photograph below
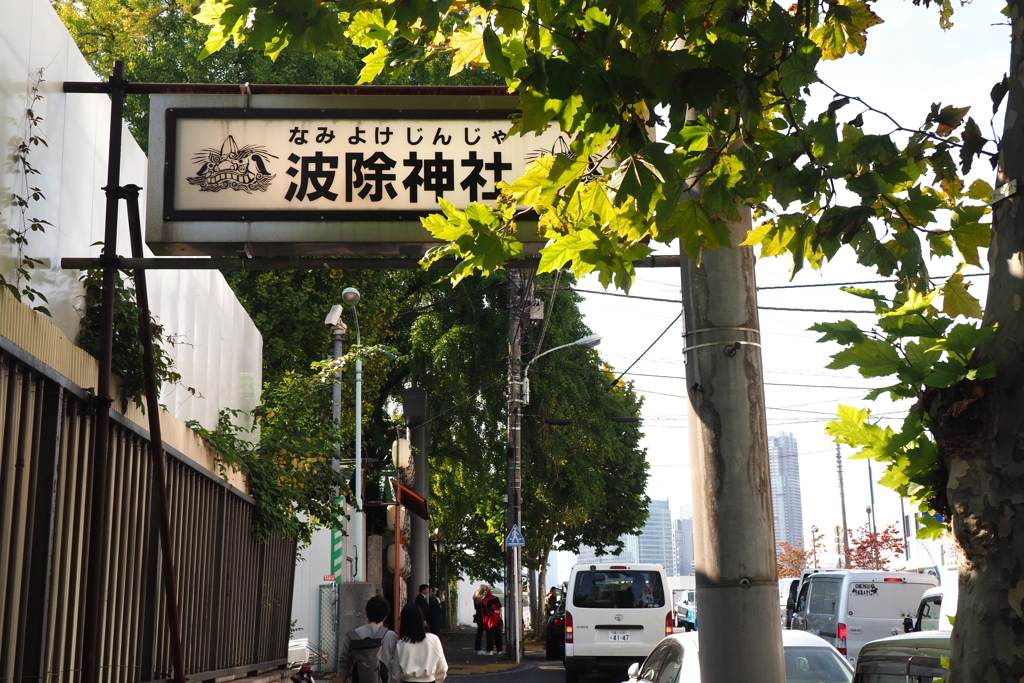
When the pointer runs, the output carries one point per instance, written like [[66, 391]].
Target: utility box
[[352, 610]]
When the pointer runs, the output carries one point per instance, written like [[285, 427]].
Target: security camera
[[334, 317]]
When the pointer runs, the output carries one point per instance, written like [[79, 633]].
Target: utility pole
[[737, 577], [842, 504], [520, 294]]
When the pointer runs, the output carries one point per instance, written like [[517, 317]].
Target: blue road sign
[[515, 538]]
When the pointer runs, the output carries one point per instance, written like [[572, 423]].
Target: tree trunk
[[540, 612], [981, 436], [533, 602]]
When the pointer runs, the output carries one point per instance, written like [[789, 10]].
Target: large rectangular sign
[[325, 180]]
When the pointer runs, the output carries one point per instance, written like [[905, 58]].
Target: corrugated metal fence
[[234, 592]]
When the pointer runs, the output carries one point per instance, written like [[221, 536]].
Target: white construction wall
[[220, 357]]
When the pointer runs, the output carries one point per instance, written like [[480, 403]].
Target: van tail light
[[841, 639], [568, 627], [669, 623]]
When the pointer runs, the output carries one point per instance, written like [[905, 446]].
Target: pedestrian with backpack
[[367, 650], [419, 657]]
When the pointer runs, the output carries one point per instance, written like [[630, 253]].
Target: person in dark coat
[[478, 617], [422, 601], [434, 618]]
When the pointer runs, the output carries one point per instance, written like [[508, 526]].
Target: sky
[[909, 64]]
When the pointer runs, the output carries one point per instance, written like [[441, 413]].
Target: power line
[[616, 381], [763, 308], [865, 282]]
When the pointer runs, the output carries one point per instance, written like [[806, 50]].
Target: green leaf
[[956, 300], [696, 230], [998, 92], [799, 69], [544, 179], [468, 46], [567, 248], [969, 233], [844, 28], [226, 21], [931, 528], [538, 109], [500, 64], [843, 332], [964, 338], [373, 64], [973, 145], [949, 119], [873, 358], [637, 178], [945, 373]]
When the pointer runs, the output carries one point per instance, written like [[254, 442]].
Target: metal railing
[[234, 593]]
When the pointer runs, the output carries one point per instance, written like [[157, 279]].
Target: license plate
[[618, 636]]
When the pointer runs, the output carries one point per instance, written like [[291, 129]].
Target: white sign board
[[265, 174]]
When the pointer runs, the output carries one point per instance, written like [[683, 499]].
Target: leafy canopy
[[724, 83]]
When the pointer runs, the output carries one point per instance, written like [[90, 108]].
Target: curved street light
[[590, 340]]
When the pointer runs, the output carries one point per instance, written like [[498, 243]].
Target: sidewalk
[[463, 660]]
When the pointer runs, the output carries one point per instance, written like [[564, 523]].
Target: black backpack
[[366, 658]]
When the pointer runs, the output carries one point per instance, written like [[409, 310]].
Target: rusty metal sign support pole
[[95, 593], [156, 441]]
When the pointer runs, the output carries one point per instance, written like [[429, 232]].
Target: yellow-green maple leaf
[[468, 50]]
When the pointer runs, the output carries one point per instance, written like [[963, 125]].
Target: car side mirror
[[908, 625], [634, 670]]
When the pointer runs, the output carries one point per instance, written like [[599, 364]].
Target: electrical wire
[[616, 381]]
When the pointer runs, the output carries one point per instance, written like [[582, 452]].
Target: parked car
[[614, 616], [850, 607], [554, 630], [686, 610], [905, 657], [808, 658]]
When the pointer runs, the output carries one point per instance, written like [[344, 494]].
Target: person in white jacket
[[418, 654]]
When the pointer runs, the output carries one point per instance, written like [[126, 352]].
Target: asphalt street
[[535, 669]]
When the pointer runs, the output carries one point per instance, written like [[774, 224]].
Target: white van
[[614, 615], [849, 607], [937, 606]]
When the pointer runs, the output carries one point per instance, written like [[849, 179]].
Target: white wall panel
[[222, 351]]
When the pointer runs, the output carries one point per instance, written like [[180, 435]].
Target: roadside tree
[[876, 549], [729, 83]]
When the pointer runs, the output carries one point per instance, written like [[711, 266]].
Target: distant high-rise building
[[784, 465], [684, 547], [629, 554], [655, 542]]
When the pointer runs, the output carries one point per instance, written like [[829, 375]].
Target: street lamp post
[[350, 295], [514, 508], [338, 328]]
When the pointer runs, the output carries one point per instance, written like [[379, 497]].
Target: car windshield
[[815, 665], [618, 589]]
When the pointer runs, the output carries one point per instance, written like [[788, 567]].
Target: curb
[[494, 669]]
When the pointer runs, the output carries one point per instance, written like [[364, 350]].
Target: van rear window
[[618, 589]]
